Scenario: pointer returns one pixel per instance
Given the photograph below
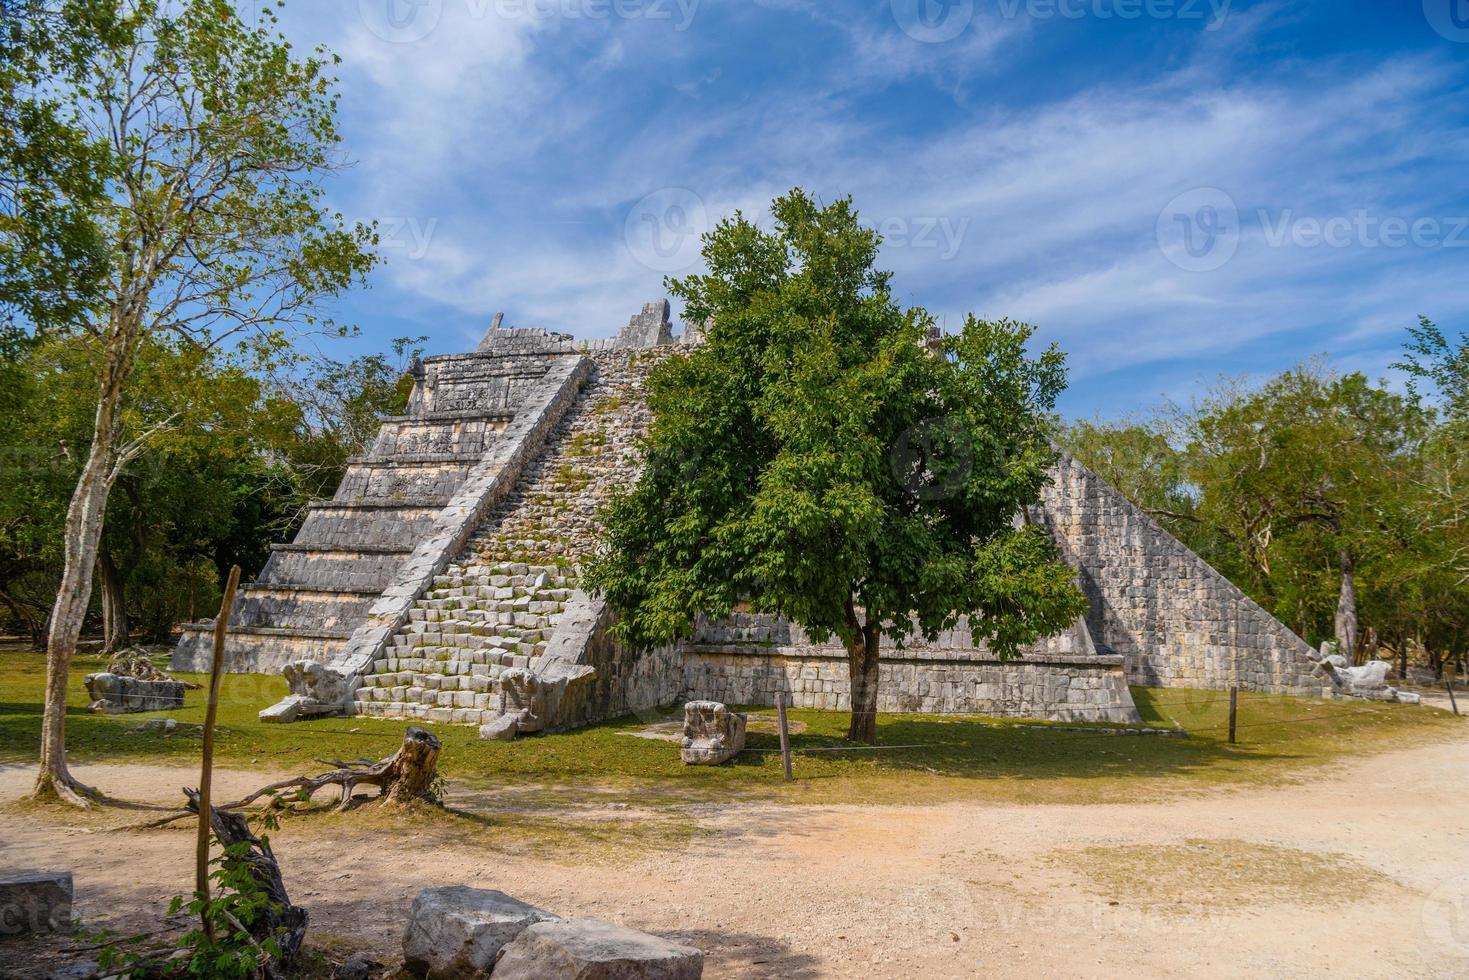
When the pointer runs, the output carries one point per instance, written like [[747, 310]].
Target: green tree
[[1439, 503], [1300, 476], [53, 169], [1430, 356], [817, 460], [211, 137], [249, 447]]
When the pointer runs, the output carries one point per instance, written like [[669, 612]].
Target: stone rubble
[[35, 902], [117, 694], [456, 933], [588, 948], [712, 734]]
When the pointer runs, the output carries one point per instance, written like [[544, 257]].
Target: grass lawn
[[920, 758]]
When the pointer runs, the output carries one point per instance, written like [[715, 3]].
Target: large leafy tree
[[209, 136], [1300, 475], [1439, 502], [820, 460]]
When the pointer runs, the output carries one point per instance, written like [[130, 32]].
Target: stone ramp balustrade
[[498, 605]]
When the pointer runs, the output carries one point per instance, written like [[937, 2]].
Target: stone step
[[426, 713], [277, 588], [285, 632], [468, 414], [409, 460], [375, 503]]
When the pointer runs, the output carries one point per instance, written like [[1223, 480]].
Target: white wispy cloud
[[528, 141]]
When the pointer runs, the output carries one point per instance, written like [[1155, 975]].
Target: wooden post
[[206, 771], [1233, 711], [1453, 701], [785, 733]]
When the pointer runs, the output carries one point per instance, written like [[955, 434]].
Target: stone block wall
[[1092, 690], [293, 606], [750, 658], [604, 677], [458, 436], [414, 477], [255, 650], [359, 571], [349, 526], [1175, 621]]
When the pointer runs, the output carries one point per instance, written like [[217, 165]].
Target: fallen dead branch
[[409, 775]]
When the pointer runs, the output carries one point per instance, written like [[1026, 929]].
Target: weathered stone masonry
[[441, 581], [1175, 621]]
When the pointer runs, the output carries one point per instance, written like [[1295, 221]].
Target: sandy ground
[[952, 890]]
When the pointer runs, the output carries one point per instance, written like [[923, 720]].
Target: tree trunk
[[414, 769], [1346, 609], [114, 604], [80, 539], [863, 648], [34, 632]]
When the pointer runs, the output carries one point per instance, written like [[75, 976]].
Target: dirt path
[[1362, 871]]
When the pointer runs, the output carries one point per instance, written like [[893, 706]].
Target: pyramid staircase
[[314, 593], [498, 604]]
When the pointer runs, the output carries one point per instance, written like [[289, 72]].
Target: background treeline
[[256, 433], [1338, 504]]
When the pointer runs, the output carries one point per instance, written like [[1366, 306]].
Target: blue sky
[[1170, 189]]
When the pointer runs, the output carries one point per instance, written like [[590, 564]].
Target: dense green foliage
[[251, 445], [815, 459], [1317, 493]]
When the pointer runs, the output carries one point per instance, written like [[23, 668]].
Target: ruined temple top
[[650, 327]]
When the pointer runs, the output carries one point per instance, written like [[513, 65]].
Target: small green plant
[[586, 444], [572, 478], [227, 947]]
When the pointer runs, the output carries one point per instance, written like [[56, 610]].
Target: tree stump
[[279, 920], [413, 769], [406, 776]]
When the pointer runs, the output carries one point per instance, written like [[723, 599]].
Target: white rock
[[455, 933], [586, 948]]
